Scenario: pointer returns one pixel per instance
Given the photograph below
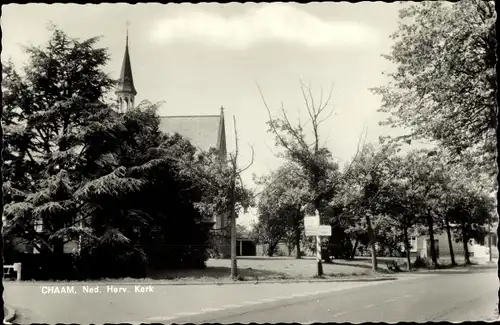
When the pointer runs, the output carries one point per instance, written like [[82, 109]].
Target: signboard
[[313, 228], [319, 231], [311, 222]]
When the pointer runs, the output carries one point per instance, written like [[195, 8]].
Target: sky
[[198, 57]]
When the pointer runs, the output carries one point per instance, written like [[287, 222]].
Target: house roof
[[202, 130]]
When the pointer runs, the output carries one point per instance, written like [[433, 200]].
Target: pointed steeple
[[126, 90], [221, 136]]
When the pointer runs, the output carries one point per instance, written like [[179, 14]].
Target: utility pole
[[318, 256], [318, 250], [312, 227]]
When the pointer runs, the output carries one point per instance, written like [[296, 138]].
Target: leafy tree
[[215, 180], [445, 83], [448, 199], [400, 207], [19, 165], [414, 197], [471, 209], [87, 197], [364, 179], [119, 217], [84, 172], [453, 175], [281, 207], [345, 221], [426, 173], [223, 192], [178, 229], [449, 92], [269, 234], [51, 108], [61, 83], [242, 231]]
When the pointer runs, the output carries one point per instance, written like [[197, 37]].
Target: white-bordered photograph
[[250, 162]]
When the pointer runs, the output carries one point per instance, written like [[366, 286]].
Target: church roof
[[221, 135], [204, 131], [126, 81]]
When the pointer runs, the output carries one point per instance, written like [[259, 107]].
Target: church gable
[[201, 131]]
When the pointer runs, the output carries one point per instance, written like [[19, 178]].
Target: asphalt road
[[47, 303], [443, 297]]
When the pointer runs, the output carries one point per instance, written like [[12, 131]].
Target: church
[[203, 131]]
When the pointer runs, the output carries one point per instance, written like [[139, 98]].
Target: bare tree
[[314, 159], [235, 175]]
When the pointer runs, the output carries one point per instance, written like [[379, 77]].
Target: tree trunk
[[407, 248], [353, 253], [319, 263], [374, 255], [490, 242], [450, 243], [465, 239], [297, 242], [271, 249], [329, 244], [430, 224], [372, 238], [234, 259]]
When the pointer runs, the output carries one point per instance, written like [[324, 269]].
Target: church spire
[[221, 136], [126, 91]]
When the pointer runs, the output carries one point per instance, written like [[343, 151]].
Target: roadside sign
[[319, 231], [311, 222]]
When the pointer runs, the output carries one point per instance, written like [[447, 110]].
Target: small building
[[420, 246], [482, 249], [282, 249], [245, 247]]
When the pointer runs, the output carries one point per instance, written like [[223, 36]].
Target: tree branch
[[271, 122], [250, 164]]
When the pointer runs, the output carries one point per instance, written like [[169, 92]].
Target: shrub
[[422, 262]]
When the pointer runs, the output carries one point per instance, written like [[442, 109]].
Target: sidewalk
[[485, 261]]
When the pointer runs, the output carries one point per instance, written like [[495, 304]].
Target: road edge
[[10, 314], [179, 283]]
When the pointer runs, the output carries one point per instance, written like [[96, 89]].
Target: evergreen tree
[[79, 171]]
